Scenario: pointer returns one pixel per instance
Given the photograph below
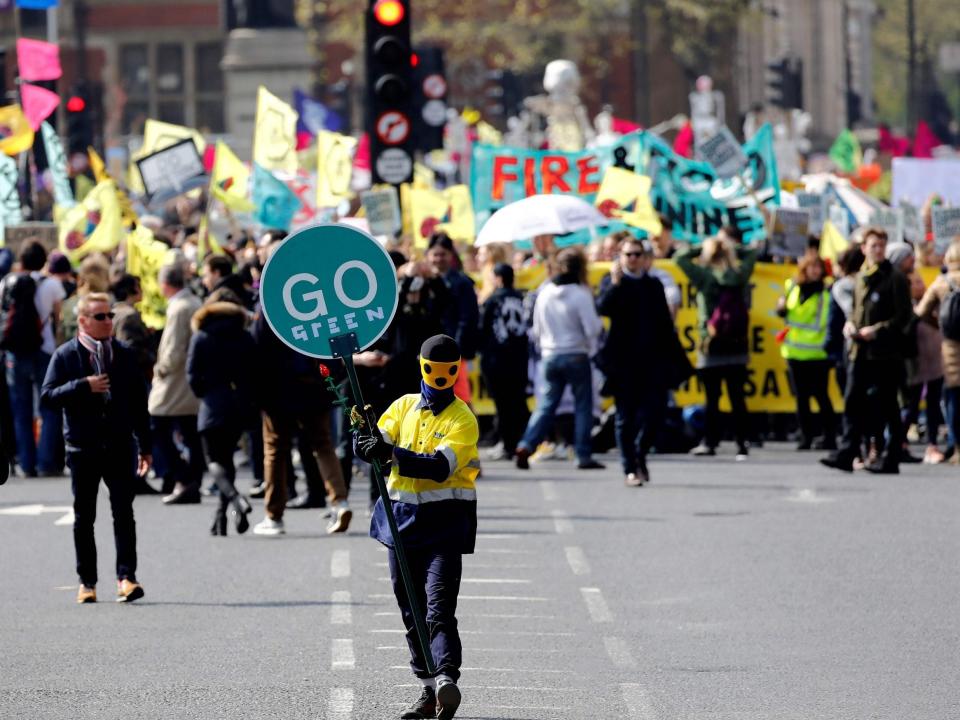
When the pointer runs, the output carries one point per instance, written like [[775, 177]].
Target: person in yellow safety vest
[[806, 308], [430, 440]]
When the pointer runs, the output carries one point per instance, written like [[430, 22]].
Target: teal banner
[[276, 203], [57, 162], [688, 193]]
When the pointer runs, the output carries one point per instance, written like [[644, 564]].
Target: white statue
[[603, 124], [707, 109], [568, 127]]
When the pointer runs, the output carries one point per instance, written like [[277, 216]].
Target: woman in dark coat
[[220, 369]]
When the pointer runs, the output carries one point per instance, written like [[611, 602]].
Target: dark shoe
[[219, 527], [142, 487], [882, 467], [825, 444], [837, 462], [239, 509], [907, 458], [642, 473], [522, 458], [804, 444], [590, 465], [424, 707], [305, 502], [448, 700], [743, 451], [210, 490], [184, 496], [703, 450], [128, 590], [258, 491]]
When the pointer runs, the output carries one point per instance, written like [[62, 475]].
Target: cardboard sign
[[382, 208], [173, 170], [891, 220], [724, 153], [817, 205], [791, 228], [912, 223], [946, 227]]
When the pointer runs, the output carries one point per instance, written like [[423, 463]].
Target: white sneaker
[[340, 518], [269, 526]]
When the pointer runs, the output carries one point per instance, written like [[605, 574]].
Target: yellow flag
[[158, 135], [94, 225], [334, 168], [625, 195], [145, 256], [99, 168], [16, 135], [423, 177], [97, 165], [406, 223], [275, 133], [832, 242], [488, 134], [449, 210], [230, 180]]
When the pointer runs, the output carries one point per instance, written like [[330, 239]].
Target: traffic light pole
[[343, 347]]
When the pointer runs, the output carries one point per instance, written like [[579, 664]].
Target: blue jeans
[[558, 371], [951, 406], [25, 373]]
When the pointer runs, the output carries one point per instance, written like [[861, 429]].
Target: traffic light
[[390, 91], [785, 83], [79, 120], [430, 98]]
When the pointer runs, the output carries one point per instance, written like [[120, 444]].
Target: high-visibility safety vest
[[806, 325], [453, 433]]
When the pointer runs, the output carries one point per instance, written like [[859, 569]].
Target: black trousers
[[186, 472], [220, 443], [735, 378], [509, 393], [911, 410], [811, 380], [436, 577], [638, 420], [117, 468], [871, 405]]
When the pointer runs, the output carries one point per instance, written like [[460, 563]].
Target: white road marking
[[577, 560], [341, 654], [340, 564], [340, 704], [561, 522], [476, 649], [484, 566], [596, 605], [808, 495], [507, 551], [549, 490], [33, 510], [341, 613], [619, 652], [498, 536], [478, 707], [506, 687], [637, 700], [500, 616], [67, 519]]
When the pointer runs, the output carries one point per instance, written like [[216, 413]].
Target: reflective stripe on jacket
[[806, 325]]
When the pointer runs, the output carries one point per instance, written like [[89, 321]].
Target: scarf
[[101, 355], [436, 400]]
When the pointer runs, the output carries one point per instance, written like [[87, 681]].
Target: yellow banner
[[334, 168], [275, 133], [449, 210], [625, 195], [145, 257], [230, 179], [94, 225]]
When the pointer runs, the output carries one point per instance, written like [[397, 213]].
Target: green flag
[[845, 152]]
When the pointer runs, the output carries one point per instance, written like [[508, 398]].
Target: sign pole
[[343, 347]]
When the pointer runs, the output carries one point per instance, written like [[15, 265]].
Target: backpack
[[20, 324], [950, 313], [728, 324]]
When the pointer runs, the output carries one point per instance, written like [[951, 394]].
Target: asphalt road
[[770, 589]]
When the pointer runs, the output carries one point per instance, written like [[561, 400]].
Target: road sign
[[395, 166], [327, 281], [393, 127], [434, 113], [434, 86]]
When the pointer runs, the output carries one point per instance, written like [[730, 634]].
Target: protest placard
[[791, 228], [817, 205], [912, 223], [946, 227], [839, 217], [724, 153], [382, 208], [173, 170], [891, 220]]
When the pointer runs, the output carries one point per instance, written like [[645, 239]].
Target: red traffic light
[[76, 104], [389, 12]]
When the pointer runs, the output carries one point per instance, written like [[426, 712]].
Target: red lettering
[[529, 176], [587, 167], [552, 168], [501, 176]]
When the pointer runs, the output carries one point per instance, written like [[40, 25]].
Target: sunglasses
[[633, 254], [103, 316]]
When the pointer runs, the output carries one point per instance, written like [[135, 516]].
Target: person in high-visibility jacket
[[806, 308], [430, 440]]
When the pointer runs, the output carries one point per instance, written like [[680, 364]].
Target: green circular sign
[[328, 281]]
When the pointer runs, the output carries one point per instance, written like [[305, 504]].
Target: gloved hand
[[373, 447]]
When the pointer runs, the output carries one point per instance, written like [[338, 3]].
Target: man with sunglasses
[[96, 382]]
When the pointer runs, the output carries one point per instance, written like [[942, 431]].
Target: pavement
[[771, 589]]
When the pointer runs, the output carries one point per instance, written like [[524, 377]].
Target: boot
[[219, 526], [239, 505]]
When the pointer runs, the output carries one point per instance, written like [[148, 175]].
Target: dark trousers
[[911, 410], [509, 392], [186, 472], [870, 405], [219, 443], [117, 469], [713, 378], [638, 420], [811, 380], [436, 576]]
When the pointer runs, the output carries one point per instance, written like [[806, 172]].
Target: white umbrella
[[540, 215]]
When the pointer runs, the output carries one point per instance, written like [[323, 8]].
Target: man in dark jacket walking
[[881, 313], [96, 382], [504, 350], [640, 355]]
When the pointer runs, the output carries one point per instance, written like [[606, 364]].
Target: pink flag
[[38, 60], [925, 141], [38, 103]]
